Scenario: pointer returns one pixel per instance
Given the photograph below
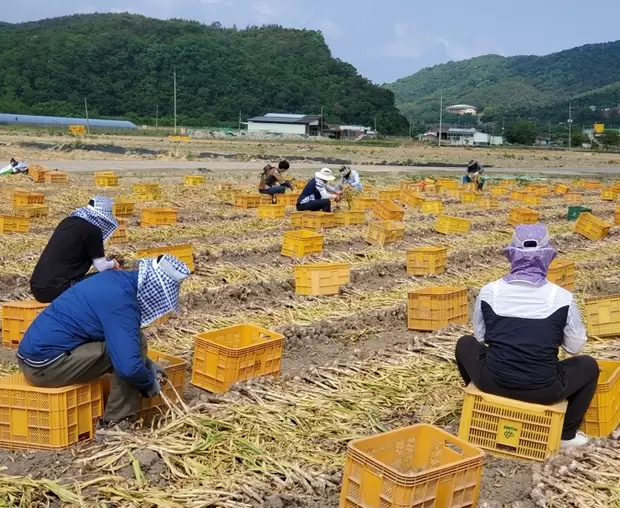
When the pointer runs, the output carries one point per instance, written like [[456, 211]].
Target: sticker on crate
[[416, 466], [603, 414], [511, 428], [321, 279], [237, 353], [297, 244], [427, 260], [34, 418], [16, 318]]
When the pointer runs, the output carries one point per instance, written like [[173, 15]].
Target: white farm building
[[284, 123], [462, 109]]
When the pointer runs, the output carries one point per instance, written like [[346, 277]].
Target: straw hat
[[325, 174]]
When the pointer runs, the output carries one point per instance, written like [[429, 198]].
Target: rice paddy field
[[350, 365]]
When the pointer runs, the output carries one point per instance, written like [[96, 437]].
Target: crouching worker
[[349, 177], [271, 181], [75, 245], [93, 328], [317, 195], [520, 322], [474, 174]]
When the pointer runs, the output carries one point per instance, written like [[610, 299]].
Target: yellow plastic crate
[[531, 200], [517, 195], [603, 415], [407, 185], [297, 244], [193, 180], [297, 219], [363, 204], [411, 198], [542, 191], [389, 195], [488, 203], [120, 233], [16, 318], [387, 210], [27, 198], [158, 217], [427, 260], [31, 211], [123, 208], [147, 192], [56, 177], [288, 199], [182, 251], [149, 407], [349, 218], [226, 186], [591, 227], [499, 191], [432, 206], [562, 273], [469, 197], [433, 308], [317, 221], [510, 428], [562, 189], [603, 316], [33, 418], [238, 353], [609, 194], [578, 183], [575, 198], [228, 196], [420, 466], [430, 189], [469, 187], [450, 225], [507, 182], [321, 279], [271, 211], [385, 232], [37, 172], [617, 215], [518, 216], [106, 179], [247, 200], [453, 193], [592, 185], [13, 224], [447, 184]]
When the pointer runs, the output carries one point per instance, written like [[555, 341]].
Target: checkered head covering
[[159, 284], [530, 254], [99, 213]]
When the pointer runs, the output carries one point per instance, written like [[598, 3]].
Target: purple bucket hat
[[530, 255]]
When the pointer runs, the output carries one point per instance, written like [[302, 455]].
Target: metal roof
[[9, 118], [461, 106], [290, 119]]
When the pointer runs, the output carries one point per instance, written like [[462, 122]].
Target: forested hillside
[[124, 65], [539, 87]]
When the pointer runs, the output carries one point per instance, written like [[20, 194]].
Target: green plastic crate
[[575, 211]]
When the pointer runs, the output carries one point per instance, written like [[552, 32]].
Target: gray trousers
[[88, 363]]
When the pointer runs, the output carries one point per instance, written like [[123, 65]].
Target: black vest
[[522, 353]]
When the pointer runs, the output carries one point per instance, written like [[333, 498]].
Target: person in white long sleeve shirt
[[317, 194], [520, 322], [350, 177]]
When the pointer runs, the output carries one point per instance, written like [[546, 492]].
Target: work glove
[[158, 371], [155, 389]]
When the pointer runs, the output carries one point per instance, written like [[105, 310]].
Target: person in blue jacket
[[93, 328], [351, 177], [317, 195]]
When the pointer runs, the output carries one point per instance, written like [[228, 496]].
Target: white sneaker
[[580, 439]]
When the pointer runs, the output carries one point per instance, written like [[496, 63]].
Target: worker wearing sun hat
[[317, 195], [75, 245], [520, 321], [94, 328]]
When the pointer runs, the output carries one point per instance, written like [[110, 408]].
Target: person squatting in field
[[349, 177], [520, 322], [317, 195], [94, 328], [271, 181], [75, 245], [474, 174]]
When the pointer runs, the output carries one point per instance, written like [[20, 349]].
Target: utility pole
[[175, 101], [321, 122], [549, 132], [410, 129], [239, 122], [376, 126], [157, 117], [440, 117], [570, 124], [87, 120]]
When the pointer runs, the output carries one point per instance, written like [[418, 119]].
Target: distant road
[[89, 166]]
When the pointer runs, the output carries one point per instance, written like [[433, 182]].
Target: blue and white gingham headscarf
[[99, 214], [159, 284]]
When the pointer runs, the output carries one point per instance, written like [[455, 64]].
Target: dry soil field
[[351, 367]]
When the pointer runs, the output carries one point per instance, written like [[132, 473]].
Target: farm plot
[[350, 368]]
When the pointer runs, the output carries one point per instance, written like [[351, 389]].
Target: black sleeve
[[94, 242]]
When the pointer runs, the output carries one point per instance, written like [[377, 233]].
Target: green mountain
[[538, 87], [124, 65]]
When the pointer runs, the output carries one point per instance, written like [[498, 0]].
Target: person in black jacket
[[75, 245], [317, 195]]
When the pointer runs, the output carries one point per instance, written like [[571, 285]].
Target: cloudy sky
[[384, 39]]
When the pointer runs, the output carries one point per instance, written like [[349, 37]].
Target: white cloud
[[400, 28], [330, 28]]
